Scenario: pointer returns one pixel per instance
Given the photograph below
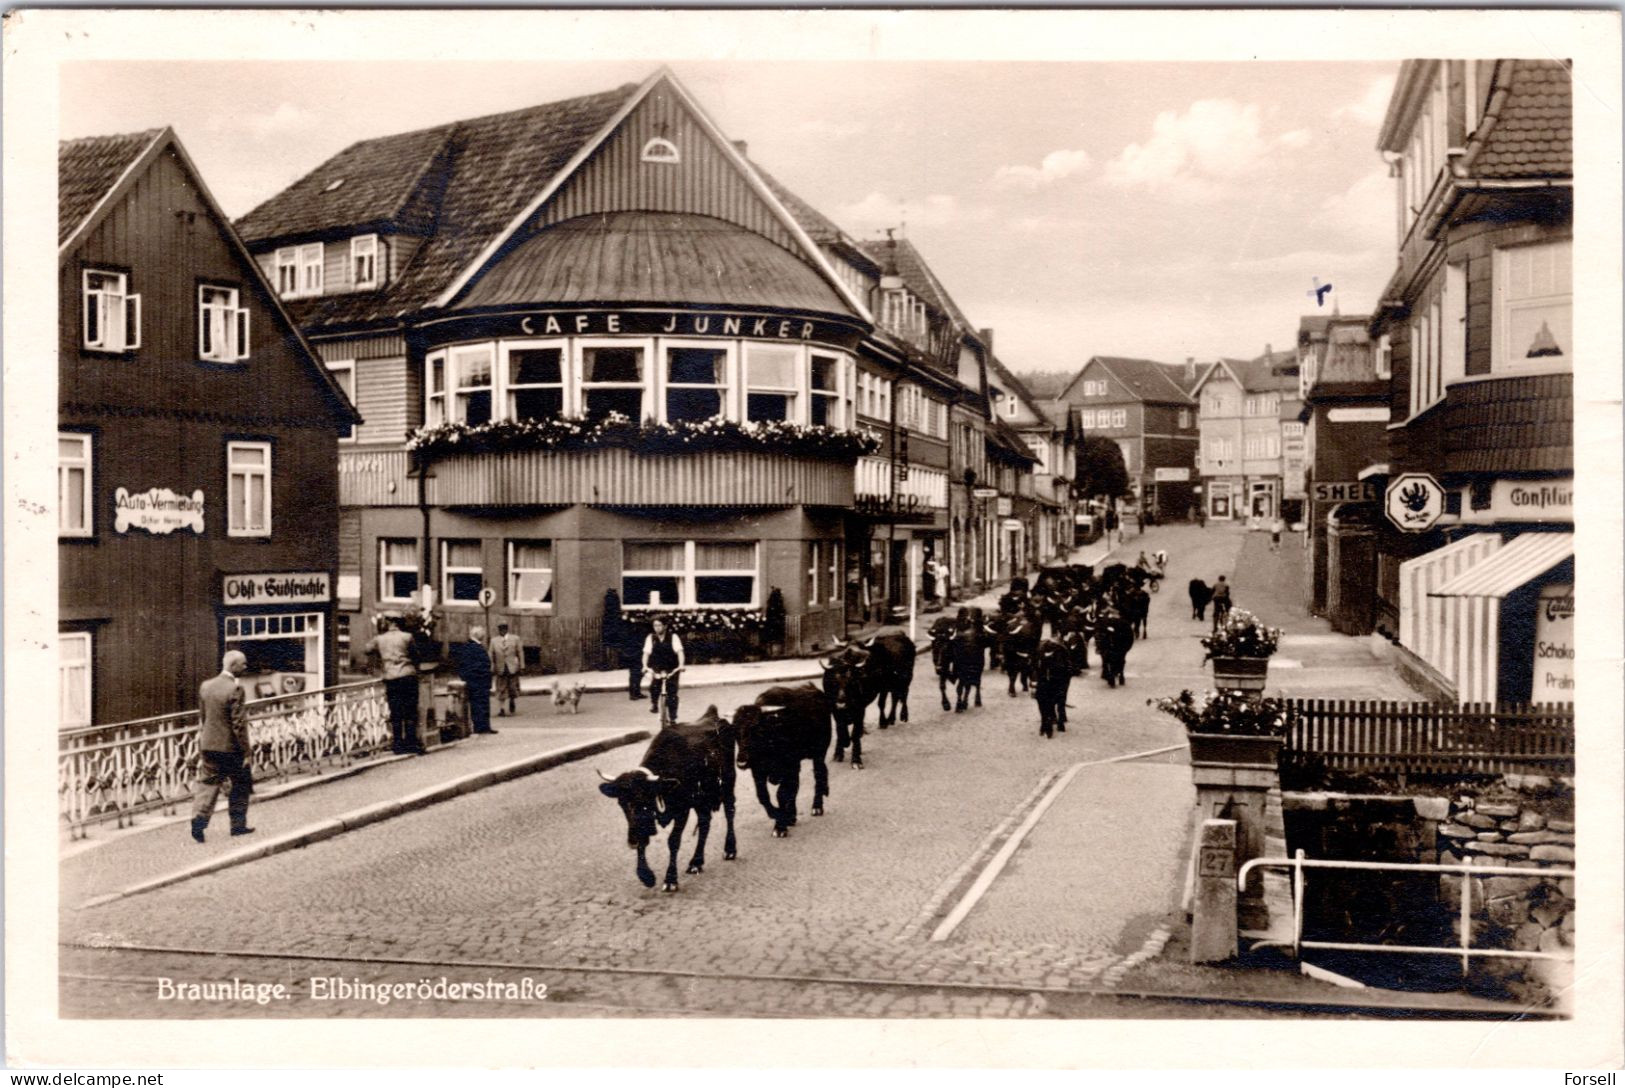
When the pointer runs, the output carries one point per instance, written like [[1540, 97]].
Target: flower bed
[[569, 433]]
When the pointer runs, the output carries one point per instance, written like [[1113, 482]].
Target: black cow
[[1137, 610], [687, 767], [784, 726], [1053, 679], [1201, 594], [890, 666], [1113, 639], [969, 654], [1020, 646], [942, 659]]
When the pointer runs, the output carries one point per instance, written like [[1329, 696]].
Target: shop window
[[612, 382], [74, 679], [222, 325], [397, 570], [653, 574], [284, 651], [530, 573], [770, 383], [364, 261], [1533, 328], [724, 573], [826, 392], [112, 316], [688, 574], [287, 272], [696, 383], [535, 383], [344, 374], [248, 489], [74, 479], [310, 269], [462, 571]]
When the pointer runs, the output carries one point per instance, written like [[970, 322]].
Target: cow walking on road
[[969, 654], [688, 767], [942, 659], [784, 726], [1201, 594], [1113, 638], [1054, 678]]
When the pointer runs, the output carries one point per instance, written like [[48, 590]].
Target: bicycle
[[663, 695]]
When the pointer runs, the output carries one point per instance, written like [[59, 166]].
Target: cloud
[[1057, 166], [832, 130], [1298, 137], [877, 211], [1373, 105], [1363, 212], [1310, 263], [1217, 140]]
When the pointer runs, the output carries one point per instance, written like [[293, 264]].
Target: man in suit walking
[[223, 748], [473, 664], [507, 658]]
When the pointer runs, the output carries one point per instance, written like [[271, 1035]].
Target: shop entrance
[[284, 651]]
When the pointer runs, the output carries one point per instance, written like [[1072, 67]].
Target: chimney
[[890, 278], [742, 147], [1190, 368], [987, 338]]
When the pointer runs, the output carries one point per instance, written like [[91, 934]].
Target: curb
[[376, 813]]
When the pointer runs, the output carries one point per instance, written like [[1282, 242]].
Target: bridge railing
[[116, 772]]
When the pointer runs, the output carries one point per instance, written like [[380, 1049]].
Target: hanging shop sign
[[296, 587], [1358, 415], [1554, 646], [157, 510], [1357, 491], [1413, 502], [1172, 475], [985, 493]]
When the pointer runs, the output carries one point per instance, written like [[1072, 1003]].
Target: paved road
[[533, 878]]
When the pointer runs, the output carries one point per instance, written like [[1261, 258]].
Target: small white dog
[[569, 696]]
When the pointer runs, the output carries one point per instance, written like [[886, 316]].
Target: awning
[[1515, 564]]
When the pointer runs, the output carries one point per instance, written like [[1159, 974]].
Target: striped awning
[[1513, 565]]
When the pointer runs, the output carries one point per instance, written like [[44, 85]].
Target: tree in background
[[1101, 472]]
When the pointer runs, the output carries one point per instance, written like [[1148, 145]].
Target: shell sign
[[157, 510]]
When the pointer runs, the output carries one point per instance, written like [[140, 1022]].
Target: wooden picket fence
[[1371, 736]]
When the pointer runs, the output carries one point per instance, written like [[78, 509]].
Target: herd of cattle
[[1040, 638]]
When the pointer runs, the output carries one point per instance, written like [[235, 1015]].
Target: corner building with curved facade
[[539, 273]]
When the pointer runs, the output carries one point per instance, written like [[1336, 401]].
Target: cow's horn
[[604, 776], [650, 775], [871, 641], [826, 664], [770, 709]]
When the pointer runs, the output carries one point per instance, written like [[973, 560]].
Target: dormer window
[[661, 150], [310, 269], [364, 261], [287, 272]]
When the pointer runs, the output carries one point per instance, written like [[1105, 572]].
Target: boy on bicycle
[[662, 653]]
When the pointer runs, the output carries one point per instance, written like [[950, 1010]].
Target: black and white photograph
[[648, 515]]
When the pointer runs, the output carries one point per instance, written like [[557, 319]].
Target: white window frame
[[1384, 359], [839, 414], [515, 571], [1184, 417], [221, 319], [507, 388], [1503, 307], [254, 476], [84, 463], [447, 570], [434, 403], [116, 313], [85, 681], [730, 374], [456, 392], [837, 584], [311, 270], [286, 264], [364, 256], [305, 627], [345, 367], [798, 372], [814, 556], [1086, 418], [688, 575], [1453, 326], [385, 569], [648, 370]]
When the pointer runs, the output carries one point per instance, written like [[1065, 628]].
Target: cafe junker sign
[[157, 510]]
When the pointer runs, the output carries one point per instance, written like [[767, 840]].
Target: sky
[[1157, 210]]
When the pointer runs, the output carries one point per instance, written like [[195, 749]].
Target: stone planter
[[1241, 673], [1233, 776], [1234, 750]]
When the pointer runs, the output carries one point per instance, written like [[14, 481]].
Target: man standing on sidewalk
[[473, 664], [223, 748], [394, 648], [507, 658]]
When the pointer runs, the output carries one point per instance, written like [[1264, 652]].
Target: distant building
[[1147, 408], [1241, 460], [197, 447]]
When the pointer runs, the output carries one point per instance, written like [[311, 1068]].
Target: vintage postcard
[[955, 538]]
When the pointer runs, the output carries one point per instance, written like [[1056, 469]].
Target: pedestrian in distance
[[507, 658], [663, 662], [393, 645], [473, 664], [1221, 602], [223, 748], [1276, 527]]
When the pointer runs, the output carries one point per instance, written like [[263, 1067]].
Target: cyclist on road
[[662, 653]]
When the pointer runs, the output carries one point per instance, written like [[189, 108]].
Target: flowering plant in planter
[[701, 620], [616, 431], [1231, 712], [1241, 635]]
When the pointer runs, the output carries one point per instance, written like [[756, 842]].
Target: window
[[1094, 388], [696, 383], [1385, 357], [287, 272], [865, 394], [462, 572], [1010, 406], [112, 315], [827, 394], [74, 706], [222, 325], [464, 374], [535, 382], [770, 383], [1120, 417], [1086, 418], [1534, 308], [1292, 430], [310, 269], [344, 374], [813, 569], [661, 150], [612, 382], [530, 573], [832, 553], [883, 395], [434, 384], [1453, 325], [74, 485], [1184, 417], [397, 570], [248, 489], [364, 261], [674, 574]]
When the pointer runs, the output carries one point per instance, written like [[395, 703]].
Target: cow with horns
[[784, 726], [857, 675], [688, 767]]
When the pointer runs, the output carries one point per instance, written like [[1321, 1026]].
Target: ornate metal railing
[[116, 772]]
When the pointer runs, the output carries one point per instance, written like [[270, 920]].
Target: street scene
[[638, 542]]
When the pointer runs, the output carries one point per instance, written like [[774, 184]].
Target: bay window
[[612, 381], [222, 325], [112, 319], [696, 382], [687, 574], [73, 485], [530, 573], [535, 381], [827, 391], [457, 386], [462, 571], [397, 570], [1533, 326], [771, 382], [248, 489]]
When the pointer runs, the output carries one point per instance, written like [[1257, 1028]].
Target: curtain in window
[[74, 673], [654, 556], [718, 555]]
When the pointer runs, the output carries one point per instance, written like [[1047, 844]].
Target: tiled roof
[[1257, 375], [817, 225], [1046, 384], [1159, 383], [1004, 437], [917, 276], [491, 168], [1534, 135], [87, 170]]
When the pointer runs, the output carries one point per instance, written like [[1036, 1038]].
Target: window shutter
[[204, 316], [132, 322], [242, 334]]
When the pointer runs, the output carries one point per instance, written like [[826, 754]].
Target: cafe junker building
[[595, 352], [197, 454]]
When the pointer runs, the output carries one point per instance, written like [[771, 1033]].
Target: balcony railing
[[116, 772]]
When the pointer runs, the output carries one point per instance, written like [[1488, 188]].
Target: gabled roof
[[1253, 375], [917, 276], [1145, 379], [88, 172], [1003, 438]]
